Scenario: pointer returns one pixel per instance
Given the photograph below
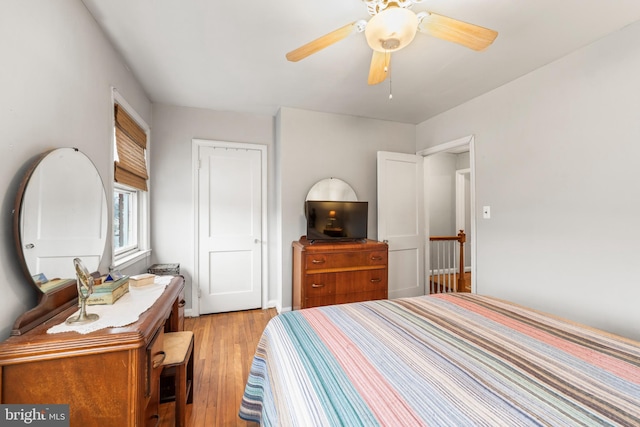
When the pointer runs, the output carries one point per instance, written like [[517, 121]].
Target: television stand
[[338, 272]]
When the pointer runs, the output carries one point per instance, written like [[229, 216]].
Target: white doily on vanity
[[123, 312]]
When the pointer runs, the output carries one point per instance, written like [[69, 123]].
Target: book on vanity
[[108, 291], [141, 280]]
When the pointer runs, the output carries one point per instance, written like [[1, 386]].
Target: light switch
[[486, 212]]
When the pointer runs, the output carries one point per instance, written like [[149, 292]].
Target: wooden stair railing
[[445, 276]]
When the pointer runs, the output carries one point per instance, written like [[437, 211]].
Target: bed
[[439, 360]]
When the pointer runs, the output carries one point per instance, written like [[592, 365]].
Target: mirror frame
[[333, 189], [52, 302]]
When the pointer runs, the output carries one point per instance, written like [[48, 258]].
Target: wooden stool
[[178, 347]]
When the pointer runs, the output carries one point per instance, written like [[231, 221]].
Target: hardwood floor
[[223, 350]]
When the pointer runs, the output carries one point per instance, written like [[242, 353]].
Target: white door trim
[[447, 146], [455, 145], [195, 155], [461, 204], [460, 198]]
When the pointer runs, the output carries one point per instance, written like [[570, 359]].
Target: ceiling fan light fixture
[[391, 29]]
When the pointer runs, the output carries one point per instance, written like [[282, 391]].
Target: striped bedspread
[[440, 360]]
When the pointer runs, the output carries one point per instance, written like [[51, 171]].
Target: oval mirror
[[332, 189], [62, 215]]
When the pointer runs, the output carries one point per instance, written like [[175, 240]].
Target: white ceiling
[[230, 55]]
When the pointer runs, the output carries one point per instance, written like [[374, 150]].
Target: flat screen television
[[336, 221]]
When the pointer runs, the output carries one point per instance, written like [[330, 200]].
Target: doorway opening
[[450, 197]]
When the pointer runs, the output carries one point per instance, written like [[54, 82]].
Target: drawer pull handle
[[317, 285], [158, 359], [182, 303], [317, 261], [376, 258], [376, 280], [155, 417]]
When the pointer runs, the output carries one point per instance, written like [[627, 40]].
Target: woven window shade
[[131, 143]]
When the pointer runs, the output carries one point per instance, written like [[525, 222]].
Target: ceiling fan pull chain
[[387, 69]]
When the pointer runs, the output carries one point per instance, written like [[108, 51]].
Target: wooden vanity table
[[109, 377]]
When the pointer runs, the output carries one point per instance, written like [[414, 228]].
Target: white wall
[[57, 72], [441, 193], [463, 160], [557, 159], [312, 146], [174, 128]]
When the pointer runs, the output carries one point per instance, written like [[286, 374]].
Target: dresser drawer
[[353, 259], [349, 282], [154, 357], [338, 288], [319, 301], [359, 297], [175, 322], [320, 284], [345, 298]]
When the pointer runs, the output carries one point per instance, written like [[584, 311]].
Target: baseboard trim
[[188, 312]]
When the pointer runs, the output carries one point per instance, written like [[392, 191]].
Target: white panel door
[[401, 220], [230, 229]]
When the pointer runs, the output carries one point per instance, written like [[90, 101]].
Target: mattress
[[439, 360]]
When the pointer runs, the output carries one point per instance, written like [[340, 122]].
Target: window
[[130, 195], [125, 225]]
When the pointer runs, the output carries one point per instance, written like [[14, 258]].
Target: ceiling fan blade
[[468, 35], [380, 62], [321, 42]]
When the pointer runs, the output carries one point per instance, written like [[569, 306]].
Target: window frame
[[124, 257], [135, 222]]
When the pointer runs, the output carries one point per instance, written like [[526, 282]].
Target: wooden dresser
[[338, 272], [109, 377]]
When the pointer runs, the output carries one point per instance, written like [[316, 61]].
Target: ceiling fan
[[393, 26]]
